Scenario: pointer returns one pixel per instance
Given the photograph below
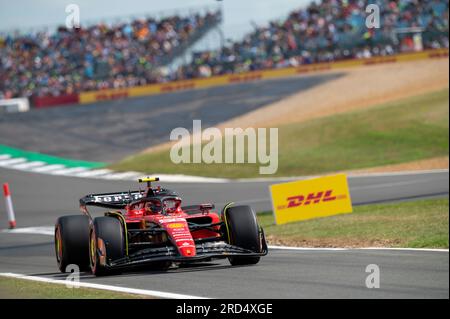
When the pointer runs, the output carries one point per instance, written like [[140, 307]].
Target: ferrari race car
[[150, 228]]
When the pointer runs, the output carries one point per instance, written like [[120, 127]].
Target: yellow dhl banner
[[312, 198], [153, 89]]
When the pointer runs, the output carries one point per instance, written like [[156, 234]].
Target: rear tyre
[[72, 242], [107, 243], [242, 230]]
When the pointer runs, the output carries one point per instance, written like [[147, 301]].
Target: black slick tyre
[[72, 242], [242, 230]]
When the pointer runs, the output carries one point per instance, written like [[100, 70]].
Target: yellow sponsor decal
[[312, 198], [175, 225]]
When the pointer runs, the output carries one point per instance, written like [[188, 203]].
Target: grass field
[[407, 130], [27, 289], [418, 224]]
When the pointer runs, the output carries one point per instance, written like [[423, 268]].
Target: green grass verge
[[27, 289], [417, 224], [410, 129]]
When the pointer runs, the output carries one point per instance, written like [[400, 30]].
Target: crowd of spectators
[[96, 57], [328, 31], [130, 54]]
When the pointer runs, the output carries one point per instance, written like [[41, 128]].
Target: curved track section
[[311, 273], [39, 199], [108, 131]]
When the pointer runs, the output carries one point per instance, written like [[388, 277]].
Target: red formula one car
[[151, 228]]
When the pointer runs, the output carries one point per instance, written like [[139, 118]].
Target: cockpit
[[155, 205]]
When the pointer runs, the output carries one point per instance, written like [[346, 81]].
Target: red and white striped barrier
[[9, 206]]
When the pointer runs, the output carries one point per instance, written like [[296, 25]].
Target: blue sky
[[238, 14]]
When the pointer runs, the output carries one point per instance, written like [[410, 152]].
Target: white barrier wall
[[14, 105]]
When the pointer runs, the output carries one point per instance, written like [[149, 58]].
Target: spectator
[[132, 54], [327, 31], [96, 57]]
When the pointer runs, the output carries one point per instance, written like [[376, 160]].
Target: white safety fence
[[14, 105]]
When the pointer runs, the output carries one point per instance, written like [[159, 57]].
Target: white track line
[[415, 181], [350, 175], [152, 293], [405, 249], [306, 248], [40, 230], [399, 173], [353, 249], [49, 231]]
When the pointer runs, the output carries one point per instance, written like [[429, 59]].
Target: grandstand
[[327, 31], [98, 56], [132, 53]]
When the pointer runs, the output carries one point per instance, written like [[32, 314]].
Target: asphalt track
[[111, 130], [40, 199]]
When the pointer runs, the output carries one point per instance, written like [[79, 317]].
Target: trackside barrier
[[9, 206], [48, 101], [221, 80], [14, 105]]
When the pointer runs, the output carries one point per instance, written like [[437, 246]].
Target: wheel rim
[[58, 245], [93, 253]]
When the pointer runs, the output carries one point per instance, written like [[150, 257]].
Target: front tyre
[[72, 242], [242, 230], [107, 243]]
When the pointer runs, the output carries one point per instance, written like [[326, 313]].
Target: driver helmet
[[153, 207]]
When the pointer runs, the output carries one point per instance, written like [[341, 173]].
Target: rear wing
[[111, 200]]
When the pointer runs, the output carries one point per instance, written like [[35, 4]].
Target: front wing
[[205, 251]]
